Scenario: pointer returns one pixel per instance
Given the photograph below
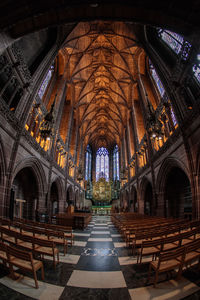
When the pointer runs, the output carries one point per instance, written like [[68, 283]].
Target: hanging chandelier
[[80, 173], [47, 125], [154, 125]]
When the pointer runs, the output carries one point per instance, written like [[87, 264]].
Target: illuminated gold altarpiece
[[102, 190]]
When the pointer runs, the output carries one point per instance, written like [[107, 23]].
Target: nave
[[99, 266]]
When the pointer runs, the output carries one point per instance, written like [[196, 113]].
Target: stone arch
[[24, 194], [3, 169], [54, 198], [168, 169], [165, 167], [34, 164], [148, 200], [122, 199], [146, 196], [133, 199], [126, 200], [168, 163], [57, 181], [70, 195], [72, 13], [76, 200], [81, 197]]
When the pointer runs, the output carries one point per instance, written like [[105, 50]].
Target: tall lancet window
[[116, 163], [156, 79], [196, 69], [172, 39], [102, 164], [88, 163], [45, 82], [160, 88]]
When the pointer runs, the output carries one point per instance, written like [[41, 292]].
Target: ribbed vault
[[101, 65]]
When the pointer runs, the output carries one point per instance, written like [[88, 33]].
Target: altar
[[102, 190], [101, 193], [101, 210]]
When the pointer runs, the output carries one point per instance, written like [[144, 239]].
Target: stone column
[[6, 41]]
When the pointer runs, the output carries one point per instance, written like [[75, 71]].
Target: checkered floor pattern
[[99, 266]]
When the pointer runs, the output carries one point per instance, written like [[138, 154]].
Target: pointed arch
[[165, 167], [37, 168]]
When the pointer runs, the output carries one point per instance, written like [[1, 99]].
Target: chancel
[[99, 150]]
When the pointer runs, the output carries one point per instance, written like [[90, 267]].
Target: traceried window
[[45, 83], [88, 163], [196, 68], [116, 163], [173, 117], [156, 79], [102, 164], [172, 39], [160, 88]]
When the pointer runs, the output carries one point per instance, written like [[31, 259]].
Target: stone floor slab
[[92, 279]]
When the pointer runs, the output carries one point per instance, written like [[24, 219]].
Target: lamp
[[123, 175], [154, 126], [46, 128], [80, 173]]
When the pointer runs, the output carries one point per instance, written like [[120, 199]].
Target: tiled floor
[[99, 267]]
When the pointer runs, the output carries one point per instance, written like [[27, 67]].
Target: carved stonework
[[31, 140], [170, 142], [22, 67], [9, 116]]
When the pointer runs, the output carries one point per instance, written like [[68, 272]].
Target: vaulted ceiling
[[22, 17], [102, 68]]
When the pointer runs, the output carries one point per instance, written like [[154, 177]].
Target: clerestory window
[[45, 82], [116, 163], [102, 164], [172, 39], [88, 163], [156, 79]]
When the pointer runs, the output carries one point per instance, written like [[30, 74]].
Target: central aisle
[[107, 271], [97, 274], [99, 267]]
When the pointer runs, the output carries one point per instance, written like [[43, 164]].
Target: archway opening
[[148, 196], [76, 202], [178, 195], [69, 196], [25, 194], [135, 202], [126, 202], [54, 198]]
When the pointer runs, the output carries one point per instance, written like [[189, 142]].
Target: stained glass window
[[156, 79], [172, 39], [45, 83], [88, 163], [196, 68], [116, 163], [86, 166], [173, 117], [102, 164]]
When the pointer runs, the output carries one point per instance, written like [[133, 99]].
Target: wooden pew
[[149, 247], [58, 237], [24, 260], [167, 261], [46, 247]]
